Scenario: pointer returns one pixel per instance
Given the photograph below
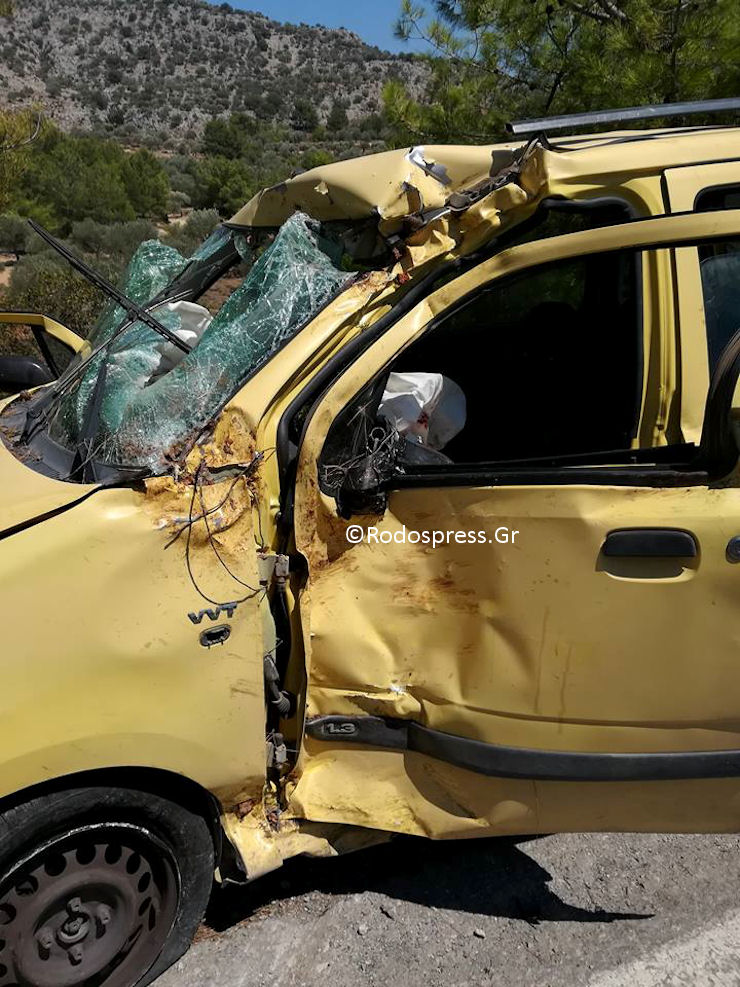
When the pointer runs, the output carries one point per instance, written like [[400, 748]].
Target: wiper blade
[[134, 311], [39, 410]]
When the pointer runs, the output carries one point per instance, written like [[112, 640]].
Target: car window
[[549, 362], [140, 402], [719, 263], [56, 354], [720, 197], [546, 363]]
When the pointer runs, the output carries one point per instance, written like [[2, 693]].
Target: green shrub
[[14, 234], [39, 285], [188, 235]]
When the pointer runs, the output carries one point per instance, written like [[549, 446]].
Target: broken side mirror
[[364, 484], [361, 491]]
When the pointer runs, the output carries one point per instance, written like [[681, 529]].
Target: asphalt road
[[559, 911]]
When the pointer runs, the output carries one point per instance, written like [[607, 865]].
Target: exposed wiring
[[259, 457], [203, 516], [212, 543]]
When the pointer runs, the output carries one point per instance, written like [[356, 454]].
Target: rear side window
[[721, 197], [720, 275]]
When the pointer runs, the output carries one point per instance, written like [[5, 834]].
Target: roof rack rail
[[657, 111]]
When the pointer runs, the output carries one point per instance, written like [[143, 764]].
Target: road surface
[[559, 911]]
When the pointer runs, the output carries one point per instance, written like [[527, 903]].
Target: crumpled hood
[[27, 496]]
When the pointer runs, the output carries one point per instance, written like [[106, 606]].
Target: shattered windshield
[[142, 402]]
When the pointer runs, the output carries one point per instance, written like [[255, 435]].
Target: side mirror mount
[[360, 456], [361, 491], [21, 373]]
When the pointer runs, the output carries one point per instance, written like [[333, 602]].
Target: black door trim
[[499, 761]]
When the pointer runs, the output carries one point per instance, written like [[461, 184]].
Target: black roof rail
[[657, 111]]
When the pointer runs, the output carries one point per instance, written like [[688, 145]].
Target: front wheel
[[100, 887]]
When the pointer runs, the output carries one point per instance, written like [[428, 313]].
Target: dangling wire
[[204, 515], [212, 543], [377, 443]]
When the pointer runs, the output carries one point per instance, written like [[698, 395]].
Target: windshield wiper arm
[[134, 311], [37, 412]]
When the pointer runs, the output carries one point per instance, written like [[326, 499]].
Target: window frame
[[304, 423], [683, 464], [637, 274]]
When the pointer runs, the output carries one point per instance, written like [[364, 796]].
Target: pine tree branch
[[613, 10], [601, 11], [25, 141]]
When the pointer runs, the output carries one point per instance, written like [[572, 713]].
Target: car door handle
[[664, 543]]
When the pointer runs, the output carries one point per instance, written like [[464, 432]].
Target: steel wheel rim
[[92, 907]]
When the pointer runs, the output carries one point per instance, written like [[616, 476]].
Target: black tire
[[99, 887]]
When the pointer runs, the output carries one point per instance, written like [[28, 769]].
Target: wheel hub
[[91, 908], [76, 926]]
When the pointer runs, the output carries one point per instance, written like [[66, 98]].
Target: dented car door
[[500, 682]]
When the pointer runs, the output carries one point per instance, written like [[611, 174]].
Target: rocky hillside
[[146, 68]]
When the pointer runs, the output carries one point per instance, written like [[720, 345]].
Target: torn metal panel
[[265, 837], [416, 795], [390, 185], [433, 168], [408, 793]]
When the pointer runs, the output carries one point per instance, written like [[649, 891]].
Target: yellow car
[[431, 525]]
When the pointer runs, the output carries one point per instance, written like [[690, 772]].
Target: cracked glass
[[141, 403]]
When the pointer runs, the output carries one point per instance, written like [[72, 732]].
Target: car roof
[[644, 151], [403, 182]]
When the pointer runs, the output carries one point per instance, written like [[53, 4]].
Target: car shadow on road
[[492, 877]]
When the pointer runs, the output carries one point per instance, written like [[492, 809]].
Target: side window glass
[[544, 363], [719, 263], [549, 362], [55, 353]]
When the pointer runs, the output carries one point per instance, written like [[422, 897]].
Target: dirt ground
[[6, 269], [559, 911]]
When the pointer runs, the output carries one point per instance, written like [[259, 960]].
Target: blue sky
[[373, 20]]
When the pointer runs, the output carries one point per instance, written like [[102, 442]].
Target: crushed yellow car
[[433, 528]]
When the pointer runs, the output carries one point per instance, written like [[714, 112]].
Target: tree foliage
[[337, 121], [304, 116], [314, 158], [14, 234], [229, 138], [40, 285], [493, 60], [188, 235], [223, 184], [146, 184], [18, 130], [68, 179]]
